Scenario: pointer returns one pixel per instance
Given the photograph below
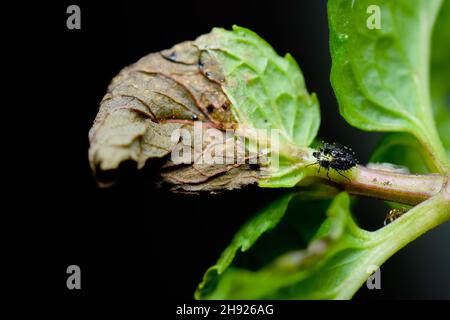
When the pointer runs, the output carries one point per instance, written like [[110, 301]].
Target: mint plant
[[393, 79]]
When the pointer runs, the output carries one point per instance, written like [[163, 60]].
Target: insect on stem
[[338, 158]]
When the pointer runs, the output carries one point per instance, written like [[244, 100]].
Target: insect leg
[[328, 170], [342, 175]]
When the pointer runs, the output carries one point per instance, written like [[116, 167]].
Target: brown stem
[[394, 186], [384, 184]]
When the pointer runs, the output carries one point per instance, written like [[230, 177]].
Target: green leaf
[[440, 74], [381, 76], [337, 261], [404, 149], [241, 284], [401, 149], [267, 92], [262, 222]]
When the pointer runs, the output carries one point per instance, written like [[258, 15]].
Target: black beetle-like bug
[[332, 156]]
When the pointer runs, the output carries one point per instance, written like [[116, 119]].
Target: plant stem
[[388, 185], [434, 154], [386, 241]]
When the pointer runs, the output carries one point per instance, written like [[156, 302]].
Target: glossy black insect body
[[332, 156]]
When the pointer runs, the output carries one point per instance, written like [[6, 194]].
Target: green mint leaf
[[440, 74], [404, 149], [267, 92], [292, 266], [381, 76], [401, 149], [337, 261], [262, 222]]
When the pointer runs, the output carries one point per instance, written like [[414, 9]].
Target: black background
[[132, 240]]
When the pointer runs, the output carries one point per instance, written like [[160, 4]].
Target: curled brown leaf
[[148, 101]]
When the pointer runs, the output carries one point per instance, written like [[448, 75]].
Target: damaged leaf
[[144, 107], [228, 81]]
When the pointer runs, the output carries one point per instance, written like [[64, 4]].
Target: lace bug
[[332, 156]]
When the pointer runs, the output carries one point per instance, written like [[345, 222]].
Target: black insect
[[332, 156]]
